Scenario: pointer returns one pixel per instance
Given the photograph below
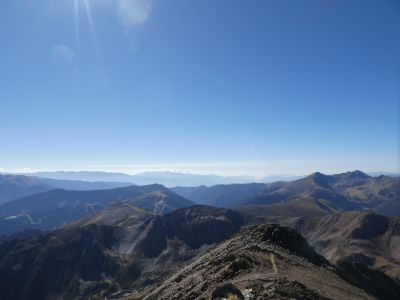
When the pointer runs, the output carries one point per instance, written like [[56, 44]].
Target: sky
[[214, 86]]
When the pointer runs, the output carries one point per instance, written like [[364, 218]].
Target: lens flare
[[133, 12], [130, 13], [61, 55]]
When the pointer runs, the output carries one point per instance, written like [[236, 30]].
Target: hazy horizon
[[133, 172]]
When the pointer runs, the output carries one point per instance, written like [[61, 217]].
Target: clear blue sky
[[231, 87]]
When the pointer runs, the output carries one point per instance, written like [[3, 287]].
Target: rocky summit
[[260, 262]]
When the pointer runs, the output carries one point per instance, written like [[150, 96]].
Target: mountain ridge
[[260, 262], [169, 179], [188, 253], [57, 207], [340, 192]]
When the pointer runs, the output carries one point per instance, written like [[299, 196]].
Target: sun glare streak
[[91, 24], [76, 23]]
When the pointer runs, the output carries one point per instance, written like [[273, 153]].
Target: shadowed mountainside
[[120, 247], [296, 207], [222, 195]]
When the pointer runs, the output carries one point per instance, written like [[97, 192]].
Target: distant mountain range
[[168, 179], [171, 179], [316, 194], [16, 186]]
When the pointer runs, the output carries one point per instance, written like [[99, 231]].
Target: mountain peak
[[357, 174], [317, 175], [352, 175], [260, 262], [321, 179]]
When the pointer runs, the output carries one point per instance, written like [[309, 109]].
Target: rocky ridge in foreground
[[260, 262]]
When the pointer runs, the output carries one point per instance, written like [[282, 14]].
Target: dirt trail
[[260, 275], [275, 268], [273, 264]]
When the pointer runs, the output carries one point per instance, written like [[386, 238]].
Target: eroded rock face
[[202, 225], [32, 268], [154, 241]]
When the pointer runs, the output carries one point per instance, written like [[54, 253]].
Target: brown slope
[[347, 191], [362, 237], [294, 208]]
